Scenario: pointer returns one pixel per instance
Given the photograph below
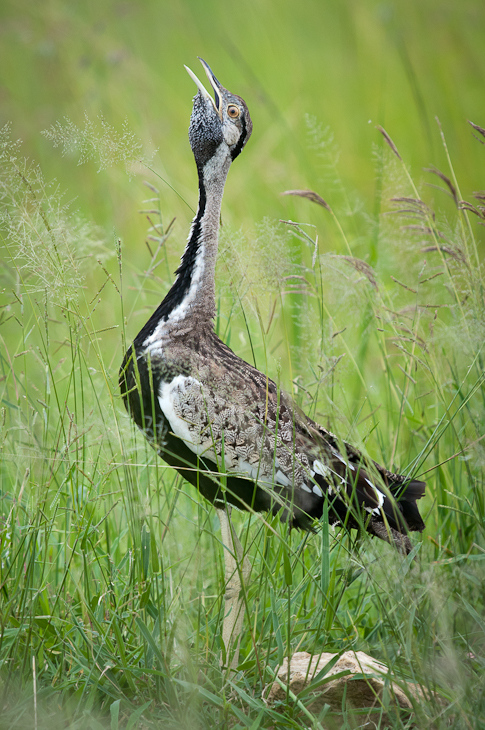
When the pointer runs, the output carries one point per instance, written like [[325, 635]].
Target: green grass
[[370, 312]]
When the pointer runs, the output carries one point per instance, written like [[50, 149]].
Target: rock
[[360, 692]]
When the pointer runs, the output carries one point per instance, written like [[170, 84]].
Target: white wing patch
[[379, 497], [326, 472], [246, 468], [344, 461], [168, 398], [321, 469], [254, 472], [281, 478]]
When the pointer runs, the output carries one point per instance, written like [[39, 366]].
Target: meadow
[[367, 307]]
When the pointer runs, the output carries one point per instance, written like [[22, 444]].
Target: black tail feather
[[406, 495]]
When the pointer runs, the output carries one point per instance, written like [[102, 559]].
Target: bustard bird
[[225, 426]]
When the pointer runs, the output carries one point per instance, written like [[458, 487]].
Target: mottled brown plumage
[[209, 413]]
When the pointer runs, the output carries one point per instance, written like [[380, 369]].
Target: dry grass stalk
[[309, 195]]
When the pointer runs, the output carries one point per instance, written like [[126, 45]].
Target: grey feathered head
[[222, 120]]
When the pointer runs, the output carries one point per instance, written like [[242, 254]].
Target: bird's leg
[[237, 571]]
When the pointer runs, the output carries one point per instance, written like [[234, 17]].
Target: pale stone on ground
[[364, 692]]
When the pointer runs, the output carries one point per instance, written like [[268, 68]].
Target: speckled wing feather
[[237, 421]]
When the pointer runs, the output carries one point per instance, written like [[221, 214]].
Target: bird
[[226, 427]]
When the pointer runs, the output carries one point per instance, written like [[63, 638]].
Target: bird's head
[[222, 123]]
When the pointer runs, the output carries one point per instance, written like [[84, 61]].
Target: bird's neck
[[193, 292], [190, 303]]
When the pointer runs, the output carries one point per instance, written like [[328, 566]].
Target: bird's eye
[[233, 111]]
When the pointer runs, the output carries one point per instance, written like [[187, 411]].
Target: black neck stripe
[[237, 149], [184, 273]]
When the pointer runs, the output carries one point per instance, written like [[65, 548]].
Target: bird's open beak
[[217, 104]]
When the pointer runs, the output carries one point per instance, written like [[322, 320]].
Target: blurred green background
[[350, 65]]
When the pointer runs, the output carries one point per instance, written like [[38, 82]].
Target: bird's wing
[[236, 419], [233, 428], [253, 430]]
